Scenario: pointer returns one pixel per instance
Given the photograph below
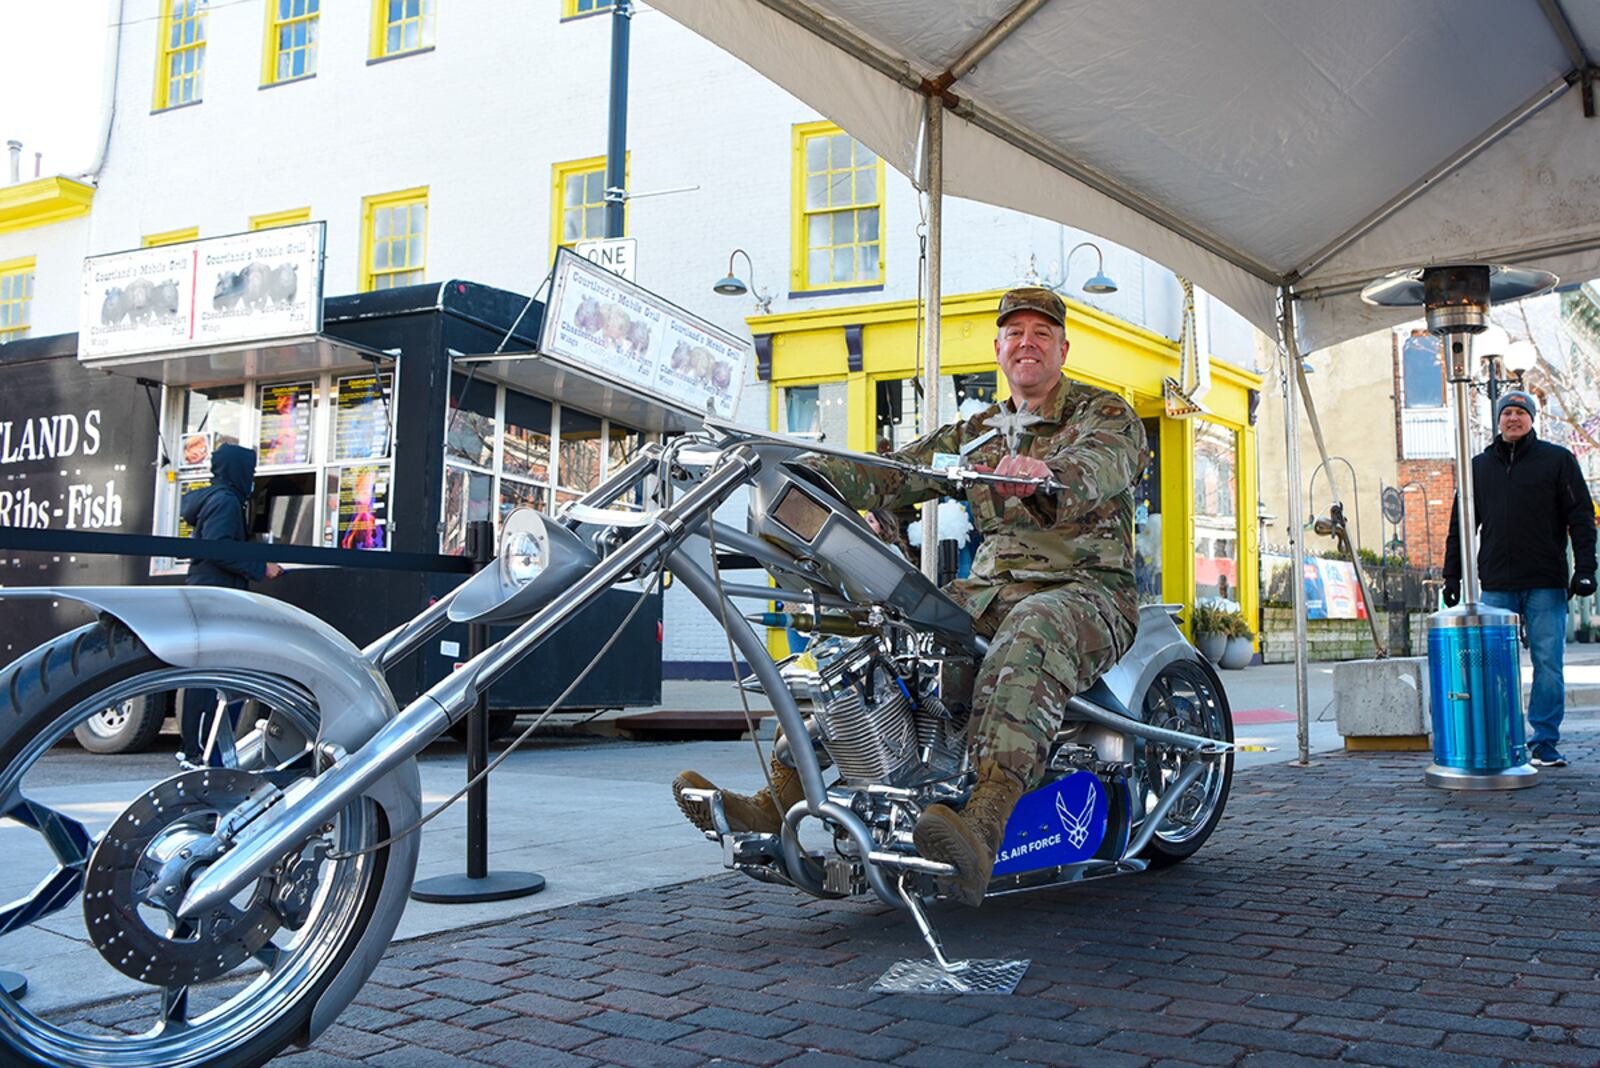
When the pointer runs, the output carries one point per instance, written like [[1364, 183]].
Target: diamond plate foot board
[[963, 977]]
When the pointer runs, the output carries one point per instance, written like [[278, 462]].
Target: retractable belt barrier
[[79, 541]]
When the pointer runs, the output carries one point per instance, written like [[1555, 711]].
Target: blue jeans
[[1544, 614]]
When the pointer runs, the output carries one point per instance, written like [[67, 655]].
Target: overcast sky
[[51, 68]]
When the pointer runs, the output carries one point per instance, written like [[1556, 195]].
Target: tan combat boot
[[969, 839], [758, 812]]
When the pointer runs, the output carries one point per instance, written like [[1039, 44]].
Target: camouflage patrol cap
[[1036, 299]]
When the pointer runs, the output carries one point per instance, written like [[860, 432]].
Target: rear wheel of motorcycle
[[243, 1017], [1185, 696]]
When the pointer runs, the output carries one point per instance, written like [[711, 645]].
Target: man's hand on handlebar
[[1026, 467]]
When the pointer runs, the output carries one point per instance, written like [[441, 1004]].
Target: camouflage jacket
[[1093, 443]]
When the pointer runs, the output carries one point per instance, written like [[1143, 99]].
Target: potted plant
[[1210, 631], [1239, 649], [1584, 633]]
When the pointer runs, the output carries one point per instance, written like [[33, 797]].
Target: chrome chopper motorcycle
[[241, 903]]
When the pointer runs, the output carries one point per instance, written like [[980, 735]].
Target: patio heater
[[1474, 671]]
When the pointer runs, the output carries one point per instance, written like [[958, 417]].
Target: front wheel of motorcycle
[[1184, 696], [94, 862]]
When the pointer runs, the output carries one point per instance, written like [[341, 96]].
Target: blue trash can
[[1475, 691]]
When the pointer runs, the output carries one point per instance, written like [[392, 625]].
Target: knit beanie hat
[[1515, 399]]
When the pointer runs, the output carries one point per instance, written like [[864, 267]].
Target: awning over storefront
[[547, 375], [311, 354]]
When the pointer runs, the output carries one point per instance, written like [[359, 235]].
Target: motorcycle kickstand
[[942, 975]]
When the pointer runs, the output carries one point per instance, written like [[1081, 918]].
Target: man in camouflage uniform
[[1052, 586]]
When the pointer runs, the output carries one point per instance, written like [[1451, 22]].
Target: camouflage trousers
[[1049, 644]]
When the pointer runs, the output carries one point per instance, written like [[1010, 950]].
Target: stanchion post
[[479, 883]]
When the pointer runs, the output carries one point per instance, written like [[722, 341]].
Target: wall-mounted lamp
[[734, 286], [1099, 282]]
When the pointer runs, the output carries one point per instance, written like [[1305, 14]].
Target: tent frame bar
[[1516, 117], [1563, 27], [990, 40]]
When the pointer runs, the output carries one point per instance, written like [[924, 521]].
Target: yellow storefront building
[[846, 375]]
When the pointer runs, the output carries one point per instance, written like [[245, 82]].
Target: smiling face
[[1514, 423], [1030, 349]]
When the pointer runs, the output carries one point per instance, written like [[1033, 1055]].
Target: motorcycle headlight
[[522, 552]]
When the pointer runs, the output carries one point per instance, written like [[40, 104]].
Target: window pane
[[869, 261], [380, 255], [867, 224], [466, 497], [1422, 371], [514, 495], [817, 230], [839, 189], [866, 186], [414, 252], [816, 154], [844, 268], [595, 192], [573, 194], [594, 222], [572, 224], [864, 155], [816, 192], [817, 268], [419, 216], [580, 451], [844, 226], [840, 151]]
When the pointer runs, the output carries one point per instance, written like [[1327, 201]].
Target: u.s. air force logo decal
[[1061, 823]]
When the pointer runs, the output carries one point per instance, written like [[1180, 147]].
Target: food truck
[[384, 422]]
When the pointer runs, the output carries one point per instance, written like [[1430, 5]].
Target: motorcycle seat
[[1101, 695]]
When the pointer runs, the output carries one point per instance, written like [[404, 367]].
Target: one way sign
[[619, 255]]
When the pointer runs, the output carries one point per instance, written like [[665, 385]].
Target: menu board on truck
[[628, 334], [361, 417], [363, 507], [285, 423]]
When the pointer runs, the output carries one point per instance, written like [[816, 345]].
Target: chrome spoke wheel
[[1185, 697], [96, 871]]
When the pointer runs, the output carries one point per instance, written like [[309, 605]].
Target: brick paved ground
[[1343, 914]]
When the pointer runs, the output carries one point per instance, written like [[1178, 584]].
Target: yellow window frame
[[370, 206], [288, 217], [799, 279], [170, 237], [16, 298], [272, 50], [574, 9], [558, 190], [167, 51], [426, 20]]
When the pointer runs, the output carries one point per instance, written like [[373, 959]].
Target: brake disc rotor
[[139, 871]]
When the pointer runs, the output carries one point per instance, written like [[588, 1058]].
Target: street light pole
[[617, 125]]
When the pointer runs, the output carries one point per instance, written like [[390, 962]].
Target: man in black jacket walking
[[1530, 498], [217, 513]]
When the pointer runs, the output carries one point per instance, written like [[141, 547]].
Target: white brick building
[[478, 111]]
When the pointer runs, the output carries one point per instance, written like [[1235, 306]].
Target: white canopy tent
[[1278, 153]]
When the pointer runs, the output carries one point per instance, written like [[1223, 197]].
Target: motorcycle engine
[[864, 717], [884, 729]]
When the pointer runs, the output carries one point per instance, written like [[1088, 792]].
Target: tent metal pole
[[1289, 377], [933, 147]]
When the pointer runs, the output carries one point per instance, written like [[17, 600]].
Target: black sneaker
[[1545, 755]]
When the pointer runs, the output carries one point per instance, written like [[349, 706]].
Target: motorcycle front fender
[[208, 627]]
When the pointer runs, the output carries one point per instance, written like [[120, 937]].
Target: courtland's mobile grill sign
[[220, 292]]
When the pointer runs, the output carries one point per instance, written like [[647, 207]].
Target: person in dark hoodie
[[1531, 498], [217, 513]]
